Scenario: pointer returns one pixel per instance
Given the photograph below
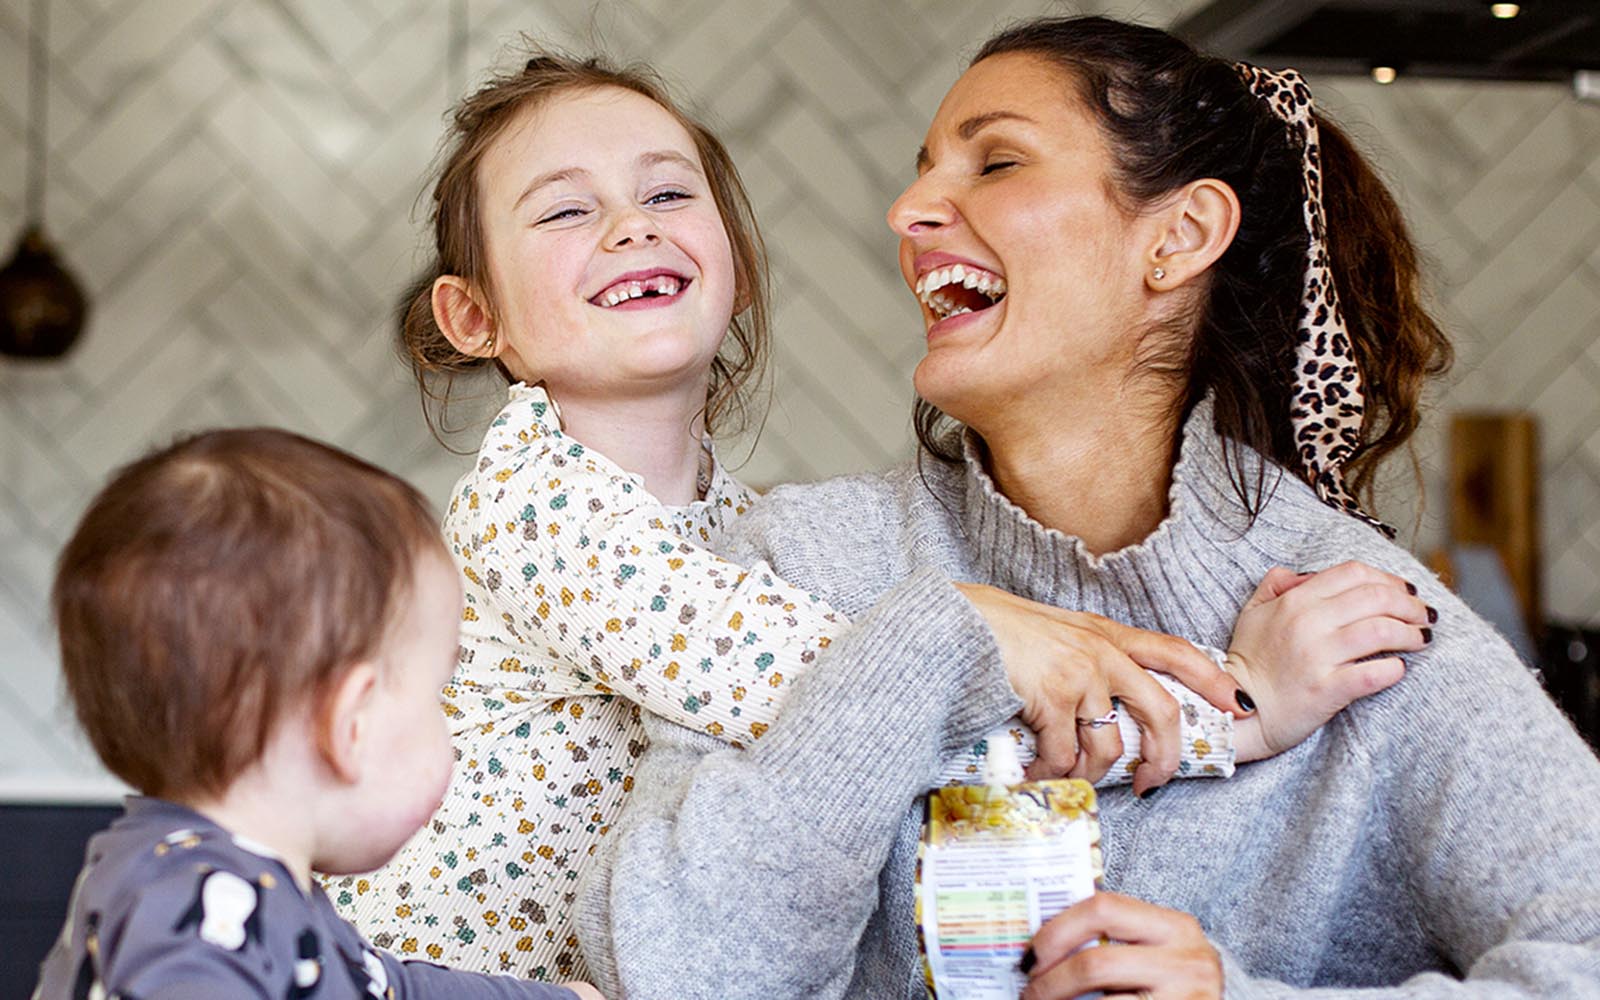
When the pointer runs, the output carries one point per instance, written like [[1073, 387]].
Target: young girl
[[596, 246]]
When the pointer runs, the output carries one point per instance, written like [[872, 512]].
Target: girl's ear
[[464, 317], [343, 725], [1200, 222]]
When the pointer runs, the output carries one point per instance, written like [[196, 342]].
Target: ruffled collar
[[536, 408]]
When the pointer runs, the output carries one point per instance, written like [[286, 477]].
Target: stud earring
[[488, 345], [1158, 274]]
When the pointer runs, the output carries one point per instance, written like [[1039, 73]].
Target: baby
[[254, 631]]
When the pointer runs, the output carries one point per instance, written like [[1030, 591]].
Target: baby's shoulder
[[186, 904]]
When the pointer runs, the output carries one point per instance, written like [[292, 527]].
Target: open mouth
[[634, 287], [958, 289]]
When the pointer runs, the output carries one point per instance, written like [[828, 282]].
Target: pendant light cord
[[38, 106]]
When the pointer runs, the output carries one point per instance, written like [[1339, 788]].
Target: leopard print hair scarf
[[1326, 406]]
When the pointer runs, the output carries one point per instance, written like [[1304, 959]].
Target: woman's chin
[[945, 381]]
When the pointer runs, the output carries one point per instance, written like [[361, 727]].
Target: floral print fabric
[[587, 602]]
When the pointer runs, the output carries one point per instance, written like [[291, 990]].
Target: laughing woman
[[1184, 331]]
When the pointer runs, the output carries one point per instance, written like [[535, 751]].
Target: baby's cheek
[[443, 765]]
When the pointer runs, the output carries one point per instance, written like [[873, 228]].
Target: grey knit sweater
[[1441, 838]]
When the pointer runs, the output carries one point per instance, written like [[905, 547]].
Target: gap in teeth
[[664, 284]]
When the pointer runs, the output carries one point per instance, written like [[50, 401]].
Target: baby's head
[[246, 600], [559, 187]]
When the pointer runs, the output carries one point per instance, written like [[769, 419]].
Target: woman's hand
[[1066, 666], [1301, 643], [1155, 954], [584, 991]]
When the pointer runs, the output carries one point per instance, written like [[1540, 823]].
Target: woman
[[1165, 401]]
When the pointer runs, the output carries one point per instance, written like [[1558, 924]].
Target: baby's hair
[[220, 582], [459, 247]]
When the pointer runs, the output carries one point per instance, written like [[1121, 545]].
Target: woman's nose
[[920, 209]]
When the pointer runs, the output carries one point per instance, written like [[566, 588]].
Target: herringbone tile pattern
[[234, 181]]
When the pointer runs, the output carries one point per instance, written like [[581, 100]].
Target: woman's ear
[[464, 317], [343, 726], [1200, 222]]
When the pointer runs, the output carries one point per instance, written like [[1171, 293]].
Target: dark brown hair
[[217, 583], [1170, 116], [459, 241]]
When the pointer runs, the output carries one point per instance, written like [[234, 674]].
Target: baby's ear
[[463, 317], [343, 723]]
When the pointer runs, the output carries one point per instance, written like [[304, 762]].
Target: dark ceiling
[[1547, 40]]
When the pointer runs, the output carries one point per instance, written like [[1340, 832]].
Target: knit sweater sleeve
[[785, 841], [1488, 815]]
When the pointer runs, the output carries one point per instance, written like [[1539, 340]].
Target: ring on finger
[[1108, 719]]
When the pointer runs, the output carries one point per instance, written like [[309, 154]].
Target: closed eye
[[997, 165], [565, 213], [667, 197]]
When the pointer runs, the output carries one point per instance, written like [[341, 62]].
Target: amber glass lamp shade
[[42, 308]]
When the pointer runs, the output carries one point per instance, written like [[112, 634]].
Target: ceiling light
[[1384, 74], [1505, 11]]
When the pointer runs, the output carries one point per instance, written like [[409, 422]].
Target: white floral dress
[[587, 602]]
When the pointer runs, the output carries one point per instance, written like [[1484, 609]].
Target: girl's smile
[[647, 289]]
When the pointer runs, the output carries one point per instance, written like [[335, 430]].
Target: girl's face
[[1028, 272], [612, 272]]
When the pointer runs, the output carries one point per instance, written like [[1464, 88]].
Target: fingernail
[[1029, 960], [1433, 614], [1150, 793], [1245, 701], [1427, 635], [1411, 588]]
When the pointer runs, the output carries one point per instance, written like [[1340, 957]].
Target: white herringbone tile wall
[[234, 180]]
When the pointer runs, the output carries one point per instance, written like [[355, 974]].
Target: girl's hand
[[1155, 953], [584, 991], [1301, 643], [1066, 666]]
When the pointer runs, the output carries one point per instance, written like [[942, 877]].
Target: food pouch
[[996, 861]]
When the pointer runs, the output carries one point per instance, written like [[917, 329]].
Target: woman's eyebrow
[[971, 127]]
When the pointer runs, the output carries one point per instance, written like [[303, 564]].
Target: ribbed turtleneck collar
[[1188, 577]]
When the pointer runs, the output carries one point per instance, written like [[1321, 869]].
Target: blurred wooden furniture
[[1494, 497]]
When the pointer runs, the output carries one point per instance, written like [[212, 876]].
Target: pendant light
[[42, 307]]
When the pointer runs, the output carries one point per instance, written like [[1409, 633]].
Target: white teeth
[[927, 287], [661, 284]]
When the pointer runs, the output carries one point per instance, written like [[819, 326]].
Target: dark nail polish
[[1411, 588], [1427, 635], [1150, 793], [1433, 615], [1029, 960], [1245, 701]]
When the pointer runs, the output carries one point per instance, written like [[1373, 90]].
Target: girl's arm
[[579, 558]]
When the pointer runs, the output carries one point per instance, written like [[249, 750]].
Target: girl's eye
[[565, 213], [665, 197], [997, 165]]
